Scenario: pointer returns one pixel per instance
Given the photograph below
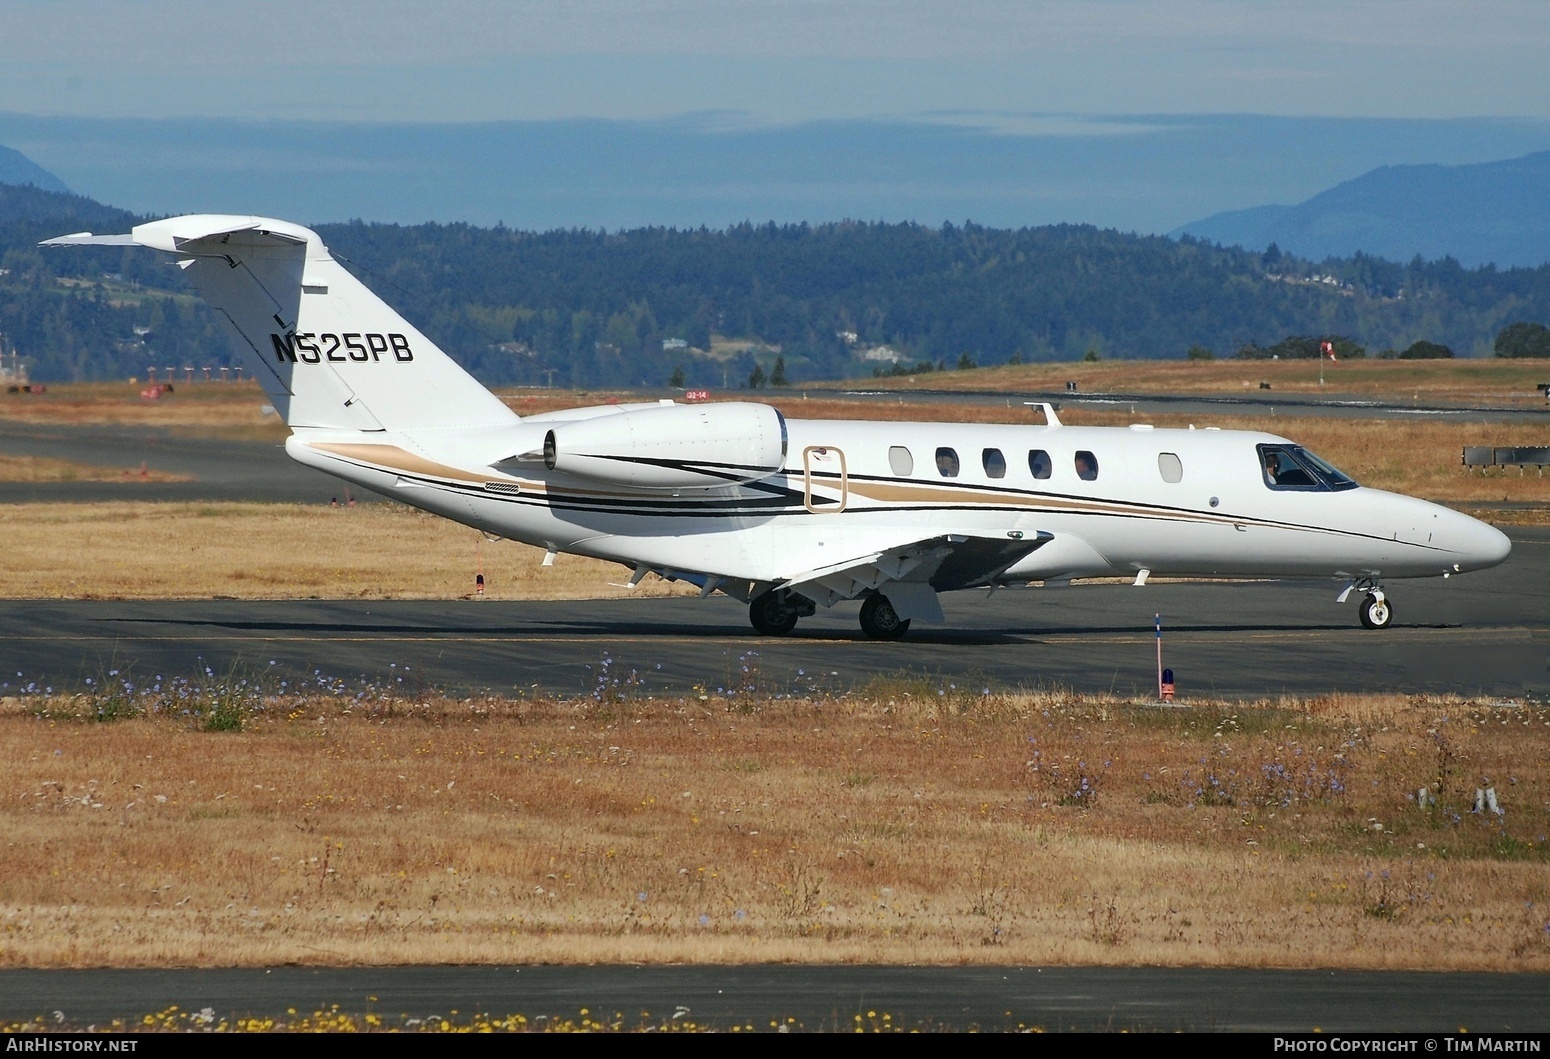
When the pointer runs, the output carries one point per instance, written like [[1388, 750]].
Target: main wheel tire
[[772, 615], [880, 621], [1376, 613]]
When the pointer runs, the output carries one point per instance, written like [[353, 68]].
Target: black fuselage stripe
[[786, 503]]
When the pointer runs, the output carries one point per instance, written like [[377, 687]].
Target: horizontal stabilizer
[[329, 354], [88, 239], [197, 232]]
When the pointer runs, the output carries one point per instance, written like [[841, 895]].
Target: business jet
[[787, 515]]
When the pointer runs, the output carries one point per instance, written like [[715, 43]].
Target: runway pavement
[[1481, 634], [221, 469], [225, 469], [1052, 998]]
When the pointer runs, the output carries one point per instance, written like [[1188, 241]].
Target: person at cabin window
[[1086, 466], [947, 463]]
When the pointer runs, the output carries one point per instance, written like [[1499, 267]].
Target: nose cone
[[1477, 545]]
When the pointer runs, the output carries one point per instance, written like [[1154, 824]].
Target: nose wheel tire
[[880, 621], [772, 614], [1376, 613]]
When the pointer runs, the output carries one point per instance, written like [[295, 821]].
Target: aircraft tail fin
[[328, 352]]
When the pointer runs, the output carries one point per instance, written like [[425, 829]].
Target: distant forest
[[594, 309]]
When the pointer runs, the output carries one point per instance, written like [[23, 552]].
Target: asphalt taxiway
[[251, 470], [1486, 633], [817, 997], [218, 468]]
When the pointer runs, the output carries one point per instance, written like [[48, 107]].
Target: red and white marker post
[[1159, 658]]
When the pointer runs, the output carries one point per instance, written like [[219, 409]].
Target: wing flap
[[933, 563]]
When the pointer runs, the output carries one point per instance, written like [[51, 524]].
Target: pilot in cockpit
[[1283, 472], [1272, 468]]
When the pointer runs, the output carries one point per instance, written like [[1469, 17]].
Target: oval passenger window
[[947, 463], [1170, 467], [1086, 466], [901, 461], [1039, 463], [995, 463]]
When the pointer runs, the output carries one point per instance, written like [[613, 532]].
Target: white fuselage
[[843, 493], [786, 515]]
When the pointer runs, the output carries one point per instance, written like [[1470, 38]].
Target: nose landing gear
[[1375, 610]]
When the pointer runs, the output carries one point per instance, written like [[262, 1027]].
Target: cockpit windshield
[[1294, 467]]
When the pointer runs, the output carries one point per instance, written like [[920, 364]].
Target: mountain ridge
[[17, 168], [1487, 213], [624, 308]]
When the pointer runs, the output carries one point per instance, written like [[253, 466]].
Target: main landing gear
[[776, 613], [880, 621], [1375, 610]]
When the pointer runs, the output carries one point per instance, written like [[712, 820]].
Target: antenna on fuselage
[[1050, 418]]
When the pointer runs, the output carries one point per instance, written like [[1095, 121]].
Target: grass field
[[128, 550], [125, 550], [45, 469], [1464, 381], [217, 823], [230, 410], [905, 823], [1418, 457]]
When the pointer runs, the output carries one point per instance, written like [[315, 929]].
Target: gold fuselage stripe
[[394, 458]]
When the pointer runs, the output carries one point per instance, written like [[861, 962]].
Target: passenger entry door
[[826, 464]]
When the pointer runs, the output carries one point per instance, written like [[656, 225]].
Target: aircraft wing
[[911, 574]]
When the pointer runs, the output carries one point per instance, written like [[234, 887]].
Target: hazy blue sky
[[1121, 113], [767, 60], [1142, 173]]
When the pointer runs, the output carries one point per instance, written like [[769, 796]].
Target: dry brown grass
[[234, 409], [125, 550], [895, 825], [45, 469], [1451, 380], [215, 409], [1421, 457], [229, 410], [144, 550], [1418, 457]]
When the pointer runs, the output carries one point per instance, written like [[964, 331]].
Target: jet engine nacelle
[[672, 446]]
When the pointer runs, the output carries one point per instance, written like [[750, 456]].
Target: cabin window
[[995, 463], [1039, 463], [947, 463], [1294, 467], [1170, 467], [1086, 466], [901, 461]]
